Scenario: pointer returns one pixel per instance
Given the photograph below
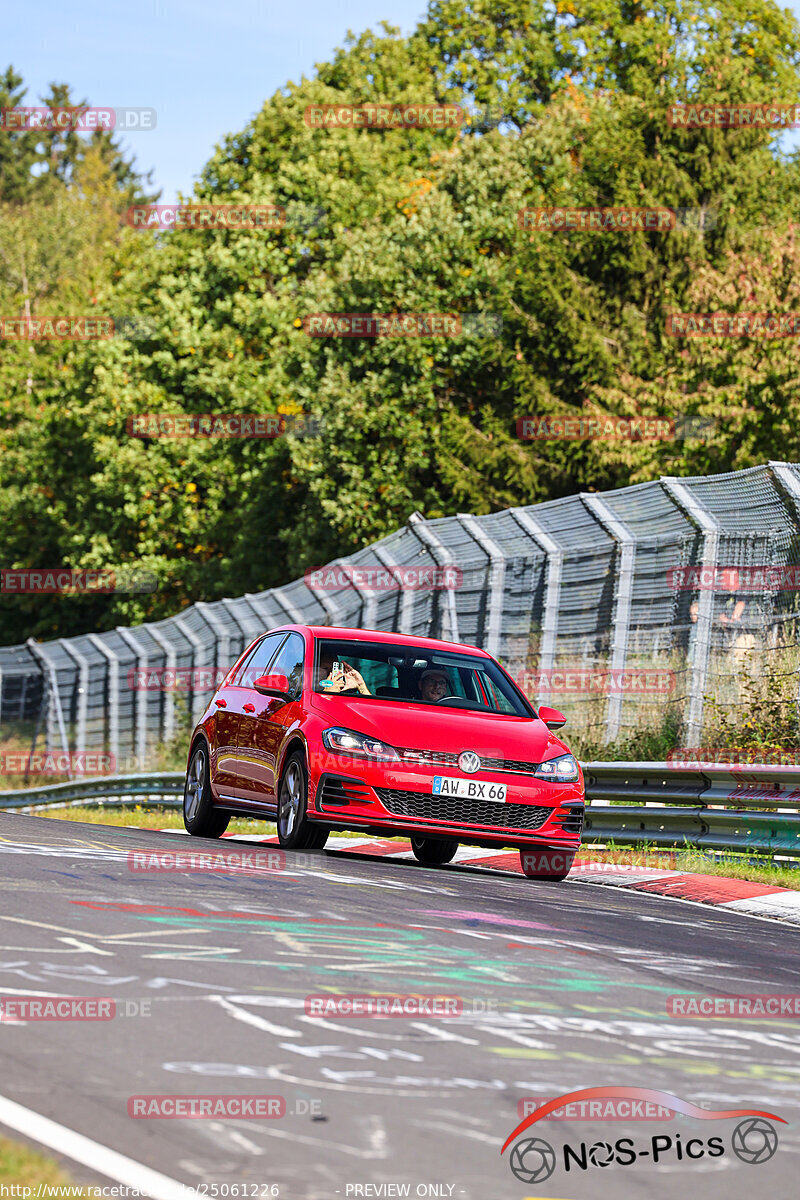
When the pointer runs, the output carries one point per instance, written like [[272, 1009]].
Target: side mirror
[[552, 718], [272, 685]]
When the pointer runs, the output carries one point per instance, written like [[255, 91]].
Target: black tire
[[295, 831], [199, 815], [433, 851], [548, 866]]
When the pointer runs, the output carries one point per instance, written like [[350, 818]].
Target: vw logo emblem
[[469, 762]]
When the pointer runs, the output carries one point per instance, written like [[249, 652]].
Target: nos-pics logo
[[754, 1140]]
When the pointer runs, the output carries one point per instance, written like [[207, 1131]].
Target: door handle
[[221, 703], [248, 708]]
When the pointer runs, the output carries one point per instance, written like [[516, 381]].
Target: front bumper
[[400, 800]]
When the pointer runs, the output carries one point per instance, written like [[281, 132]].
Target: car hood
[[414, 727]]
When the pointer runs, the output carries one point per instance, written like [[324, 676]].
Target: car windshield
[[409, 674]]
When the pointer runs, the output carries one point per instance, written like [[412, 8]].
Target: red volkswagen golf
[[321, 729]]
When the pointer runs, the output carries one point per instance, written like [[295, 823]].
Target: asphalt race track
[[564, 986]]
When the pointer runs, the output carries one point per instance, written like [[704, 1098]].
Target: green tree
[[411, 221]]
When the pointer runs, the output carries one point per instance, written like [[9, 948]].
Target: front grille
[[462, 812], [443, 758]]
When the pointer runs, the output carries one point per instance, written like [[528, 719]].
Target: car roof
[[377, 635]]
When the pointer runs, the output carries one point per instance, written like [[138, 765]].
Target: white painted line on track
[[91, 1154]]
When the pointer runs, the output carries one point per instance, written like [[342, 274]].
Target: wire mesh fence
[[618, 608]]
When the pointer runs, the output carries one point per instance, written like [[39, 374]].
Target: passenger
[[433, 685], [346, 678]]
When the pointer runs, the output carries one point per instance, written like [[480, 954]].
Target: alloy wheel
[[195, 783], [291, 794]]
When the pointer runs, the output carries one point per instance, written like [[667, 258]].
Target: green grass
[[27, 1168], [758, 868], [139, 817]]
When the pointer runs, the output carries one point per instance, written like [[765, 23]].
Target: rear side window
[[257, 660]]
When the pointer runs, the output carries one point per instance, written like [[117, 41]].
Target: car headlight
[[348, 741], [563, 769]]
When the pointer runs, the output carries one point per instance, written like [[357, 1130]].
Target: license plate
[[468, 789]]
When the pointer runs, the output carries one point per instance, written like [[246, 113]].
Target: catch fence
[[620, 608]]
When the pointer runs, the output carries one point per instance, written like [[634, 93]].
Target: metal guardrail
[[753, 807], [756, 808], [160, 788]]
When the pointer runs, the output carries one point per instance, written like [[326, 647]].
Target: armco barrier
[[163, 788], [755, 808]]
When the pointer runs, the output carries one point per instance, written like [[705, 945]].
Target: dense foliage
[[399, 221]]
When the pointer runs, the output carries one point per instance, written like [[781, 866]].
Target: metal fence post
[[555, 563], [248, 633], [791, 486], [406, 594], [140, 695], [366, 594], [197, 644], [332, 609], [296, 617], [622, 602], [707, 523], [221, 636], [171, 664], [83, 692], [495, 584], [442, 557], [113, 694], [53, 700]]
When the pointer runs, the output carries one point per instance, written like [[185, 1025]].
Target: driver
[[433, 685], [346, 677]]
